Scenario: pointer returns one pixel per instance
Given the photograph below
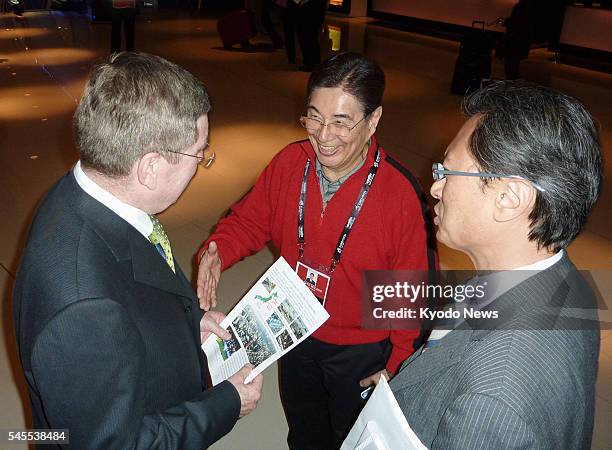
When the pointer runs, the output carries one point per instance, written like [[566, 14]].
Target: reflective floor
[[45, 58]]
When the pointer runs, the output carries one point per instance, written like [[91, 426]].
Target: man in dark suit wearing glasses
[[108, 327], [515, 188]]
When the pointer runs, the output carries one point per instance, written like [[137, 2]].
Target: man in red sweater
[[337, 205]]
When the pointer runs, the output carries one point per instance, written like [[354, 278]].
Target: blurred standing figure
[[519, 36], [289, 19], [16, 6], [270, 20], [123, 15], [305, 17], [260, 13]]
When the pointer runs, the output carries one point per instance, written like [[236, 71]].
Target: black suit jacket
[[109, 336]]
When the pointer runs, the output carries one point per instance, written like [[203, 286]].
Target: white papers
[[371, 438], [277, 313], [382, 425]]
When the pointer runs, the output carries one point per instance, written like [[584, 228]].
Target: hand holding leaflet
[[274, 316], [249, 393]]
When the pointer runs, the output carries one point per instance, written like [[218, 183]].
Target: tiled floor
[[45, 58]]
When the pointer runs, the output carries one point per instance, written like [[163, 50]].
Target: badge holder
[[315, 277]]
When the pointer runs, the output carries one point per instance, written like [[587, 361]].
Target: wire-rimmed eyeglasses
[[439, 172], [337, 128], [205, 160]]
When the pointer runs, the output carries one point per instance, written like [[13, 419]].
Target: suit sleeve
[[247, 226], [88, 367], [478, 421], [410, 232]]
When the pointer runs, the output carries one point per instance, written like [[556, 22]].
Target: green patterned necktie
[[159, 238]]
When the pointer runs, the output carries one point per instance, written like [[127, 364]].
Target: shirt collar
[[544, 263], [132, 215], [499, 283], [339, 181]]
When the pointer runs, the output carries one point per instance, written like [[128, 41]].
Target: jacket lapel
[[126, 243], [150, 268], [425, 362], [546, 289], [541, 296]]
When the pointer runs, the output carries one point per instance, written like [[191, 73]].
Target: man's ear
[[374, 119], [147, 169], [513, 199]]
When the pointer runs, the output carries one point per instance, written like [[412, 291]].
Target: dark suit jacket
[[109, 336], [526, 380]]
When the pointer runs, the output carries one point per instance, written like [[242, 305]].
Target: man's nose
[[436, 188], [324, 133]]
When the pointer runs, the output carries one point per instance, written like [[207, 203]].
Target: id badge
[[316, 279]]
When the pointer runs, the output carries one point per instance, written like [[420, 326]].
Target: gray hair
[[134, 104], [548, 138]]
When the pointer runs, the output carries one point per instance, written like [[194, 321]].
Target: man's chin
[[326, 160]]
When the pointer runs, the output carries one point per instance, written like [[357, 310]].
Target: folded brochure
[[274, 316]]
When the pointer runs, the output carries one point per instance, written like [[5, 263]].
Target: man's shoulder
[[398, 171], [533, 366], [550, 326], [558, 300], [398, 176], [497, 360], [62, 245], [57, 224]]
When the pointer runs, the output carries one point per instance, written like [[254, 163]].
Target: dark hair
[[355, 74], [548, 138], [133, 104]]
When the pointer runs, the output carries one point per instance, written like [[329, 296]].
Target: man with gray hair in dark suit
[[108, 326], [515, 188]]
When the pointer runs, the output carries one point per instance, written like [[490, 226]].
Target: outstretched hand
[[209, 272]]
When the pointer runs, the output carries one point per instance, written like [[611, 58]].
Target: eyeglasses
[[439, 173], [208, 156], [313, 125]]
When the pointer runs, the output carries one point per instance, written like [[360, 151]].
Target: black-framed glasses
[[438, 173], [208, 156], [337, 128]]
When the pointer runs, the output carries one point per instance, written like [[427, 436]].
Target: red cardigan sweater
[[390, 233]]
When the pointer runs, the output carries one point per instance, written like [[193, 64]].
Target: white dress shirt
[[134, 216]]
